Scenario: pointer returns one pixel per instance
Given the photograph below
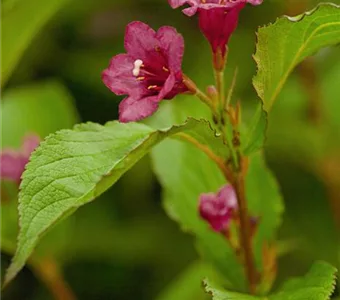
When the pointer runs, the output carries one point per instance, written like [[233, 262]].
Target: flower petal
[[255, 2], [167, 87], [118, 77], [172, 43], [12, 165], [209, 4], [134, 109], [228, 195], [190, 11], [178, 3], [140, 40], [218, 24]]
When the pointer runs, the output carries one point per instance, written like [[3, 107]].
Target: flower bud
[[217, 209]]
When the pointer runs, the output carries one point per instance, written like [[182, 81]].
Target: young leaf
[[256, 134], [72, 167], [19, 28], [318, 284], [283, 45]]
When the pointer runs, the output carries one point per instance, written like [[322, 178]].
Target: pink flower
[[149, 72], [217, 20], [13, 162], [217, 209]]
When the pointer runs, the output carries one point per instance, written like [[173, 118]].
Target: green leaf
[[283, 45], [20, 24], [318, 284], [264, 201], [72, 167], [256, 134]]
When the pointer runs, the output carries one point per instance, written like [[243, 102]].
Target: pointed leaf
[[72, 167], [283, 45]]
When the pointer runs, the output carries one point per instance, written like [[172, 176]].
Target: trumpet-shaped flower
[[149, 72]]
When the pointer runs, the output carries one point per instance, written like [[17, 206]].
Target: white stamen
[[137, 64]]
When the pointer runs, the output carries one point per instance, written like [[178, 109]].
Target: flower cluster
[[13, 161], [150, 70]]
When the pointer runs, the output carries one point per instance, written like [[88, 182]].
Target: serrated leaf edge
[[259, 68]]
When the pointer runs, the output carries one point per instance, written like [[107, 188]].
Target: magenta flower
[[217, 209], [149, 72], [13, 161], [217, 20]]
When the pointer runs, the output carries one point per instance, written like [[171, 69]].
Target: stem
[[48, 271], [219, 77], [218, 160], [245, 233]]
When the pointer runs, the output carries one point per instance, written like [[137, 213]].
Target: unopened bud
[[217, 209]]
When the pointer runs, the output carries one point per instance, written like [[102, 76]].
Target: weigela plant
[[223, 193]]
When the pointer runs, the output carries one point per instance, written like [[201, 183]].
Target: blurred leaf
[[318, 284], [264, 201], [72, 167], [283, 45], [256, 134], [9, 217], [19, 26], [330, 88], [188, 285], [41, 108]]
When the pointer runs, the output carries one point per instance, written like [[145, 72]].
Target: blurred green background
[[123, 246]]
